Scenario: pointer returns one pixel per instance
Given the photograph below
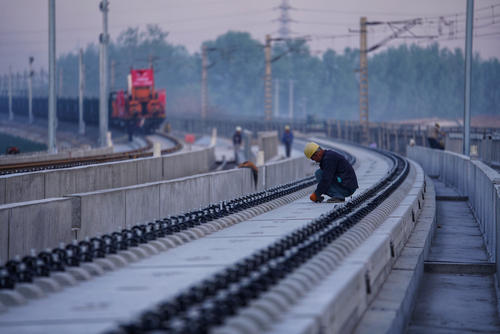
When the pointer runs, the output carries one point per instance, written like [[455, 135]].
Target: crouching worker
[[336, 177]]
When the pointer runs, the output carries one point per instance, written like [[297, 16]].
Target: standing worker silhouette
[[237, 143], [287, 140], [336, 177]]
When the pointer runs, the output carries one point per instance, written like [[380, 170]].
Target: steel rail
[[142, 152], [28, 268], [209, 303]]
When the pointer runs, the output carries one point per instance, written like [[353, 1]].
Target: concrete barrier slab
[[101, 212], [59, 183], [226, 185], [183, 195], [409, 259], [123, 173], [24, 187], [39, 224], [4, 235], [336, 299], [93, 178], [179, 165], [142, 204], [390, 299], [302, 325], [149, 170], [42, 327], [2, 191]]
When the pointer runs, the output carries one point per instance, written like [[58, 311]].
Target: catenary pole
[[103, 76], [30, 90], [203, 82], [9, 88], [52, 77], [276, 98], [81, 87], [468, 68], [268, 96], [363, 81]]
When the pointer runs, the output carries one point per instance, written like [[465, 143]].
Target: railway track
[[207, 304], [142, 152]]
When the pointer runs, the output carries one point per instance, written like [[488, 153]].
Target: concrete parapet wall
[[284, 171], [91, 213], [340, 282], [471, 178], [268, 142], [42, 156], [56, 183], [112, 209], [35, 224]]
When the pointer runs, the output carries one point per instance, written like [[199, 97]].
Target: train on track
[[141, 105]]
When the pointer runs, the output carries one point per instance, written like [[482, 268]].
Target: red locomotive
[[141, 103]]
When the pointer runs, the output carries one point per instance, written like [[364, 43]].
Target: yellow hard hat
[[310, 149], [287, 127]]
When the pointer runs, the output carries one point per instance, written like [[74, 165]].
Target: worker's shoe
[[335, 200]]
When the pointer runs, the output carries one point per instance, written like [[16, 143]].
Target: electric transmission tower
[[284, 19]]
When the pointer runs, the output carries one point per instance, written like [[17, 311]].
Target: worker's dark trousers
[[335, 190], [288, 148]]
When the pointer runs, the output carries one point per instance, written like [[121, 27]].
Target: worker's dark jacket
[[287, 138], [335, 166], [237, 138]]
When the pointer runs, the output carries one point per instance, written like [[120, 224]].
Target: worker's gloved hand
[[315, 198]]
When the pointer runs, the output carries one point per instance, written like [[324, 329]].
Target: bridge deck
[[457, 294], [98, 304]]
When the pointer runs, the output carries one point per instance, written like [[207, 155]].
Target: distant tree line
[[404, 82]]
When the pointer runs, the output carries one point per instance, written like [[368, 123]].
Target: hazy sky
[[24, 23]]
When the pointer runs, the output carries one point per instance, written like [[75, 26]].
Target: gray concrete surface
[[456, 303], [470, 178], [56, 183], [100, 212], [391, 310], [108, 197], [268, 143], [36, 224], [121, 294], [336, 301], [457, 237]]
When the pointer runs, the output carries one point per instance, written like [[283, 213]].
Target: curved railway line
[[142, 152], [206, 303]]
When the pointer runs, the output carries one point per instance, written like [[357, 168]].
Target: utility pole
[[81, 87], [52, 77], [276, 97], [11, 114], [30, 90], [290, 99], [468, 67], [112, 84], [103, 76], [60, 94], [203, 82], [268, 97], [363, 83]]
